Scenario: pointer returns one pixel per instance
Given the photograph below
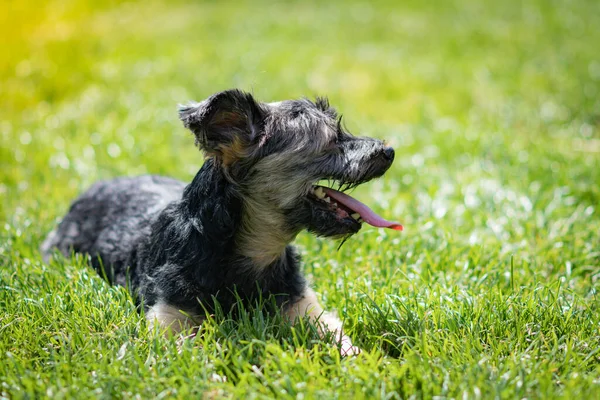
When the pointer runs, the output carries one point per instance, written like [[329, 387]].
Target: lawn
[[494, 111]]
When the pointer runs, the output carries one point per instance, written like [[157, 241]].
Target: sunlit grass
[[493, 108]]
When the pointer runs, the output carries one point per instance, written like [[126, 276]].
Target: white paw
[[347, 349]]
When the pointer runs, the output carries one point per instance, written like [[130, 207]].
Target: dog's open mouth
[[348, 208]]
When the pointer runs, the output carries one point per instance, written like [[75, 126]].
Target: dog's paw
[[347, 348]]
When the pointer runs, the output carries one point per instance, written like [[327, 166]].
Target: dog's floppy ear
[[226, 124]]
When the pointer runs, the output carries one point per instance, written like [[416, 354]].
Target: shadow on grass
[[256, 336]]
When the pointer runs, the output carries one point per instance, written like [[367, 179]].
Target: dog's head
[[276, 153]]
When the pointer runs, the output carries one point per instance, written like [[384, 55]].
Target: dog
[[226, 235]]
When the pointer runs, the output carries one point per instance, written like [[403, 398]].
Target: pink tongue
[[365, 212]]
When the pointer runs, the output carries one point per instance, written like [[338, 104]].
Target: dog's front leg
[[327, 322], [170, 320]]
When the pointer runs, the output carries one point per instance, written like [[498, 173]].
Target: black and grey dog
[[226, 235]]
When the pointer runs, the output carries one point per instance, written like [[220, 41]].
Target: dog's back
[[110, 219]]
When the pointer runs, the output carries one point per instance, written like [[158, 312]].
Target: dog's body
[[226, 235]]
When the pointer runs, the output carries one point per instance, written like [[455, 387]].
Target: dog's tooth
[[319, 192], [328, 199], [356, 216]]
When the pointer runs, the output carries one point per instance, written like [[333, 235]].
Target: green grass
[[494, 110]]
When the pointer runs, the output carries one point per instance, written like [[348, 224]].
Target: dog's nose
[[389, 153]]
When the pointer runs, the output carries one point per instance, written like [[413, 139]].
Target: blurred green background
[[504, 89], [493, 108]]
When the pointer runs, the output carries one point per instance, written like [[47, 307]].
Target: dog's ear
[[226, 125]]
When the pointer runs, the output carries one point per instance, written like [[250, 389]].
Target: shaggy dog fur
[[226, 235]]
